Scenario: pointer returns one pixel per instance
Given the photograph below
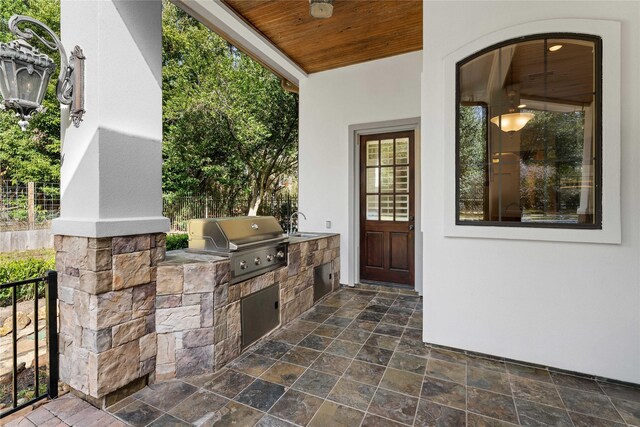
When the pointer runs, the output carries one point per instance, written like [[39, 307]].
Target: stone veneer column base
[[115, 396], [107, 295]]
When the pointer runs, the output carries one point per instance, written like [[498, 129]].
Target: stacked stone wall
[[296, 286], [192, 339], [107, 297], [188, 295]]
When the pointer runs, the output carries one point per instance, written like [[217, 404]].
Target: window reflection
[[528, 133]]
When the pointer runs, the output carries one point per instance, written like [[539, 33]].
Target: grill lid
[[233, 233]]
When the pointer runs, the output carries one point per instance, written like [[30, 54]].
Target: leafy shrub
[[22, 266], [177, 241]]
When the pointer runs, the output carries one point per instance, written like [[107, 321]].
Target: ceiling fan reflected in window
[[321, 8]]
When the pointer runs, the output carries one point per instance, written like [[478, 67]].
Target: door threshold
[[386, 284]]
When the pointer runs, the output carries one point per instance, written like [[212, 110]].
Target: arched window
[[528, 133]]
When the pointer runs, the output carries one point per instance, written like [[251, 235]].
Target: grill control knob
[[269, 258], [243, 265], [280, 255], [258, 261]]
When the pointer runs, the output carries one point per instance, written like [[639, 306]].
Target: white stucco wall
[[569, 305], [330, 102]]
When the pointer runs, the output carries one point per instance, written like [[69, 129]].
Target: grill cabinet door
[[322, 281], [260, 314]]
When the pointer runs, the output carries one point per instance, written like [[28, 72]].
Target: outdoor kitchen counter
[[306, 236], [305, 254], [183, 256], [198, 316], [190, 289]]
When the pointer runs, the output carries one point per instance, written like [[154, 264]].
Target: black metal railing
[[21, 293]]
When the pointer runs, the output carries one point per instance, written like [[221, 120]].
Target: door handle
[[412, 227]]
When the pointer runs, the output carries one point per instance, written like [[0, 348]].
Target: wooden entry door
[[387, 207]]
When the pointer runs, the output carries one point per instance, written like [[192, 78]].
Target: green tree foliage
[[229, 128], [177, 241], [560, 135], [33, 155], [551, 162], [17, 266], [473, 146]]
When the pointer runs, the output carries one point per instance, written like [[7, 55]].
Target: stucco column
[[109, 237], [111, 178]]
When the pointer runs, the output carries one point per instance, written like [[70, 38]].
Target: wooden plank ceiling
[[566, 76], [358, 31]]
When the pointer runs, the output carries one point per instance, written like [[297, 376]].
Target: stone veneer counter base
[[198, 316]]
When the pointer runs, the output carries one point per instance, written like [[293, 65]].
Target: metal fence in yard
[[28, 206], [33, 205], [180, 209]]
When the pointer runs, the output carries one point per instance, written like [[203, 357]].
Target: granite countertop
[[183, 256], [310, 235]]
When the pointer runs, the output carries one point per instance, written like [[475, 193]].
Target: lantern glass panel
[[4, 90], [29, 85], [9, 80]]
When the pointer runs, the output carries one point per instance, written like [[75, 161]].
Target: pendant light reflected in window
[[512, 122]]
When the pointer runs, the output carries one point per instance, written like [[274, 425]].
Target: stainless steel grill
[[254, 244]]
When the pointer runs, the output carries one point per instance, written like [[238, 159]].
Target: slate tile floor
[[357, 359]]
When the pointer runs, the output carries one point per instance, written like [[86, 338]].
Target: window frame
[[598, 128]]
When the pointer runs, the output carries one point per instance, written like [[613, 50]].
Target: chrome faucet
[[298, 213]]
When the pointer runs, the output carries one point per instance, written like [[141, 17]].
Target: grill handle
[[241, 247]]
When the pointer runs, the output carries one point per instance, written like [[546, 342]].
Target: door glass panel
[[386, 208], [373, 182], [387, 180], [402, 151], [372, 208], [386, 154], [402, 179], [402, 207], [372, 153]]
